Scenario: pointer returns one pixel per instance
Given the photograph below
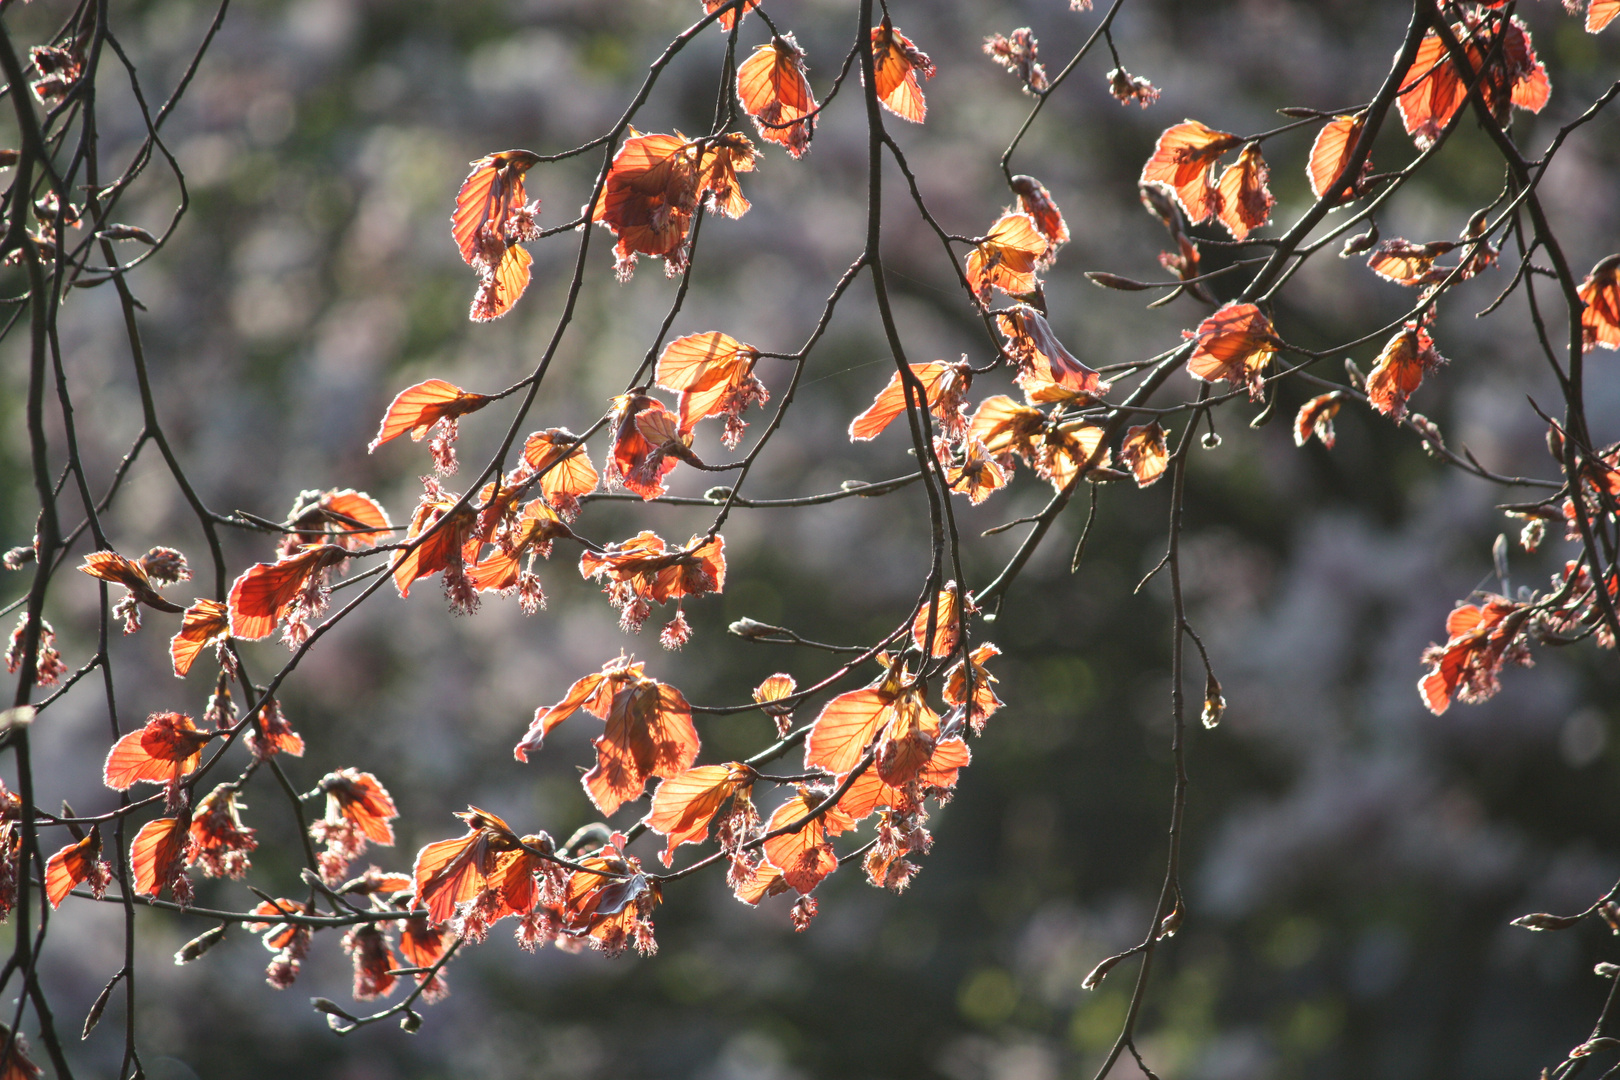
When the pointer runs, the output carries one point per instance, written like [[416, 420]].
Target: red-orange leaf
[[567, 472], [985, 702], [684, 805], [649, 733], [204, 623], [1007, 257], [1406, 263], [156, 854], [1244, 201], [1036, 201], [1330, 153], [73, 865], [703, 361], [1400, 368], [449, 872], [490, 193], [943, 386], [1600, 320], [803, 857], [1145, 453], [1007, 428], [845, 727], [774, 91], [947, 622], [419, 407], [361, 798], [895, 63], [167, 748], [1184, 161], [1600, 13], [266, 592], [1047, 371], [730, 16], [1234, 345], [1316, 418]]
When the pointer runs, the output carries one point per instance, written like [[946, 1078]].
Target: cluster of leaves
[[876, 755]]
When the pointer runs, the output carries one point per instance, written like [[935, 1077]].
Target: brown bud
[[1114, 281], [1542, 921], [200, 944]]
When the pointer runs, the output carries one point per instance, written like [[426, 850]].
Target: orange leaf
[[1145, 453], [1007, 257], [1064, 452], [361, 798], [1400, 368], [1244, 200], [156, 853], [1036, 201], [439, 551], [1183, 160], [985, 702], [419, 407], [264, 592], [947, 623], [583, 694], [908, 742], [349, 518], [703, 361], [978, 475], [684, 805], [649, 733], [637, 463], [449, 872], [774, 91], [1600, 13], [1316, 418], [167, 748], [765, 880], [1406, 263], [204, 623], [1047, 371], [1330, 153], [71, 866], [1432, 92], [803, 857], [729, 17], [895, 64], [845, 728], [491, 191], [1234, 345], [1006, 427], [120, 570], [891, 400], [1600, 320], [567, 472]]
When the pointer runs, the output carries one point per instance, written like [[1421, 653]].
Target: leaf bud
[[1606, 970], [411, 1022], [1357, 379], [1555, 442], [1210, 440], [200, 944], [94, 1016], [1096, 975], [128, 232], [1114, 281], [752, 629], [1214, 703], [1540, 920], [1171, 922], [1359, 243]]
